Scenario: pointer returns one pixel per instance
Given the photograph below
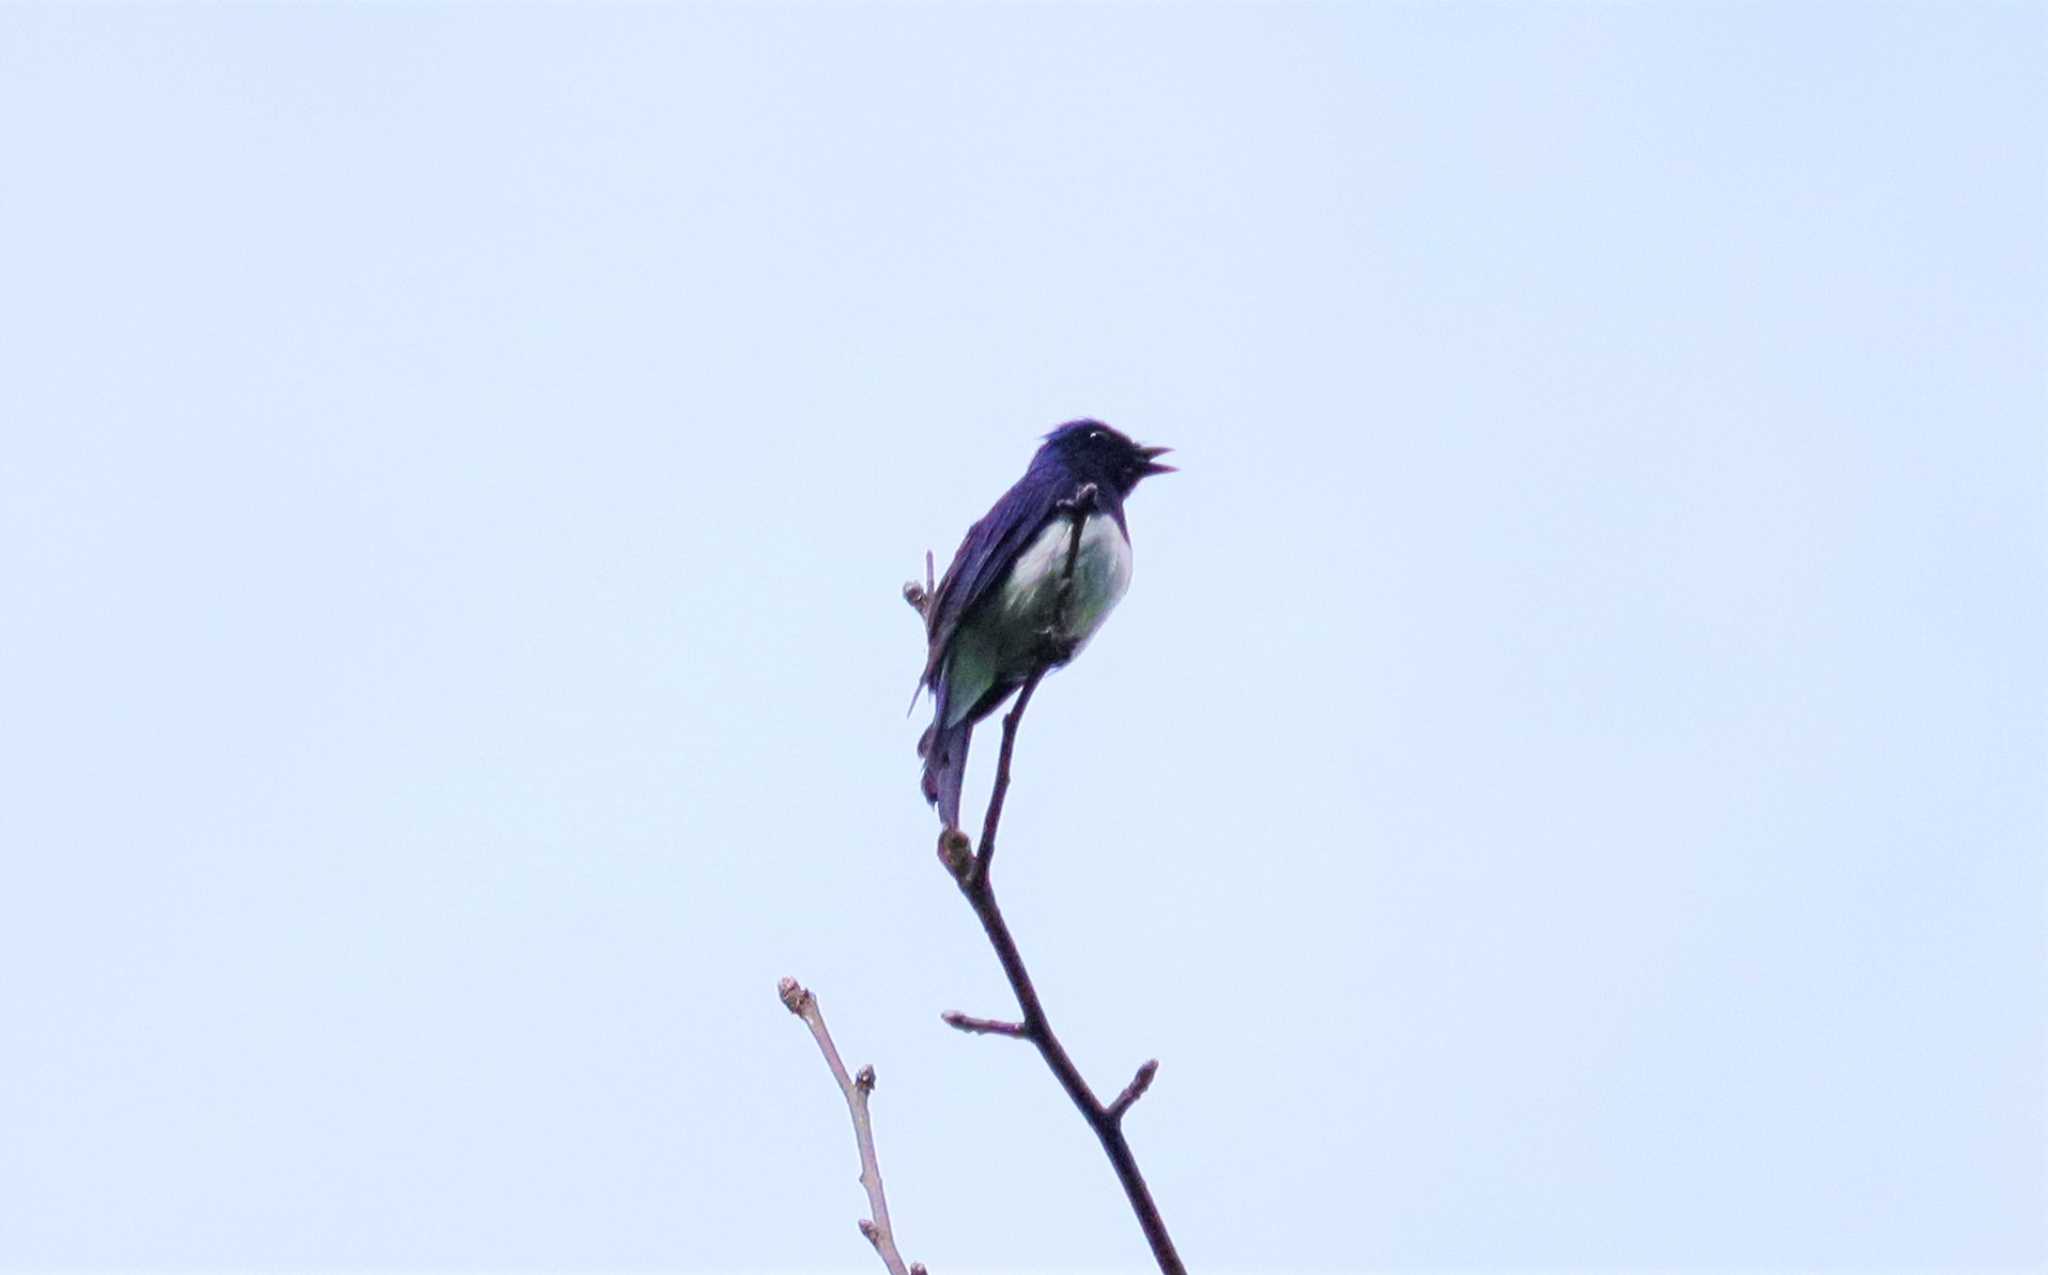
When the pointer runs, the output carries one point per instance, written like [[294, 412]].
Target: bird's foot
[[1083, 501]]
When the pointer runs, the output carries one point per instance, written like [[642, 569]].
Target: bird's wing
[[985, 553]]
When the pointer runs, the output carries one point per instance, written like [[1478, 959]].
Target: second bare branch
[[856, 1090]]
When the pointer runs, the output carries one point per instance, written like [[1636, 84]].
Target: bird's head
[[1102, 455]]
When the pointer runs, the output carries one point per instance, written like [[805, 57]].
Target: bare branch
[[975, 882], [986, 855], [980, 1026], [856, 1090], [1135, 1090]]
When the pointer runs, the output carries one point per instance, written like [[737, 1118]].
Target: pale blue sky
[[1565, 788]]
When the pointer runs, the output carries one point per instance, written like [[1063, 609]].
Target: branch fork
[[972, 875]]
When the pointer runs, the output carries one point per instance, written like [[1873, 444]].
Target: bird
[[1030, 584]]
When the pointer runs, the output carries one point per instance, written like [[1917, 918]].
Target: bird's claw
[[1081, 502]]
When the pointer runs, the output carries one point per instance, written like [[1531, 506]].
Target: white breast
[[1001, 640], [1102, 571]]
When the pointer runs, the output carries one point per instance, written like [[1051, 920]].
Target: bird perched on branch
[[1029, 585]]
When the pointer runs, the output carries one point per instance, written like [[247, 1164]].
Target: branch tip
[[794, 997], [919, 596], [1135, 1090], [855, 1089], [982, 1026]]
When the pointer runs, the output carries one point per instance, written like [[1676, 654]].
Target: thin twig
[[986, 855], [1135, 1090], [980, 1026], [856, 1089]]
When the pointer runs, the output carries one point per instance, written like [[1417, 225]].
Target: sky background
[[1568, 785]]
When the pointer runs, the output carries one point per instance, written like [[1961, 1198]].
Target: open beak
[[1152, 465]]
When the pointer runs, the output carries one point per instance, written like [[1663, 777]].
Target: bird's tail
[[944, 749]]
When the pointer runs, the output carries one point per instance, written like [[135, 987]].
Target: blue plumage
[[1029, 585]]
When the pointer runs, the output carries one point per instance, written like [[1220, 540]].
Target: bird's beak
[[1152, 465]]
